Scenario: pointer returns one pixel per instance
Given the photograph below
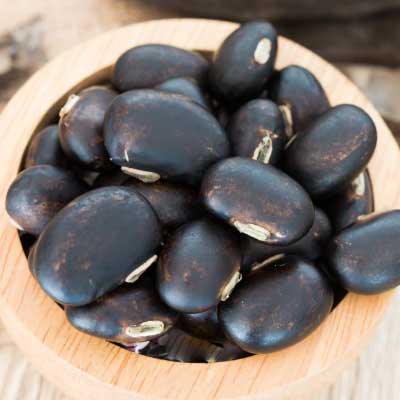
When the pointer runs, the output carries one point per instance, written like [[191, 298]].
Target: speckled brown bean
[[174, 204], [300, 97], [152, 134], [204, 325], [101, 239], [258, 199], [38, 193], [244, 62], [276, 306], [149, 65], [355, 201], [311, 245], [81, 127], [327, 156], [256, 131], [186, 87], [45, 148], [365, 258], [132, 313], [199, 266]]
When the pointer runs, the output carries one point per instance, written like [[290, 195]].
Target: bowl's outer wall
[[90, 368]]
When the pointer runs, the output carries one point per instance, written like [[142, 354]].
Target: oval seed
[[94, 244], [149, 65], [38, 193], [258, 200], [81, 127], [328, 155], [130, 314], [199, 266], [365, 257], [276, 306], [256, 131], [153, 135]]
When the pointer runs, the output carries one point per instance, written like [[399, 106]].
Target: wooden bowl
[[89, 368]]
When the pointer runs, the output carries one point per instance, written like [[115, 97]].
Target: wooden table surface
[[40, 30]]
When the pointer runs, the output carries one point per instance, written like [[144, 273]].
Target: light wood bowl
[[90, 368]]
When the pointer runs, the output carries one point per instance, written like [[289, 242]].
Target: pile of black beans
[[223, 202]]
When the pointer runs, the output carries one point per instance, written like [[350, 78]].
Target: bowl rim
[[89, 366]]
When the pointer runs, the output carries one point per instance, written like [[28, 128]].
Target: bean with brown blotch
[[199, 266], [310, 246], [98, 241], [81, 127], [355, 201], [300, 97], [45, 148], [365, 257], [258, 200], [328, 155], [186, 87], [244, 62], [38, 193], [276, 306], [256, 131], [132, 313], [204, 325], [174, 204], [146, 66], [154, 135]]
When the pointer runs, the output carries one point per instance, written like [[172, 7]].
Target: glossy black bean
[[186, 87], [244, 62], [81, 127], [38, 193], [256, 131], [204, 325], [199, 266], [355, 201], [149, 65], [132, 313], [328, 155], [310, 246], [277, 305], [45, 148], [152, 134], [101, 239], [300, 96], [258, 199], [365, 258], [174, 204]]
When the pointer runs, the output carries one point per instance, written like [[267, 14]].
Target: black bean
[[110, 178], [186, 87], [365, 258], [81, 127], [199, 266], [132, 313], [174, 203], [258, 199], [45, 148], [152, 134], [38, 193], [244, 62], [356, 200], [256, 131], [328, 155], [277, 305], [310, 246], [299, 95], [101, 239], [149, 65]]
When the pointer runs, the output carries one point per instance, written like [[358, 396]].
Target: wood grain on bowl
[[89, 368]]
